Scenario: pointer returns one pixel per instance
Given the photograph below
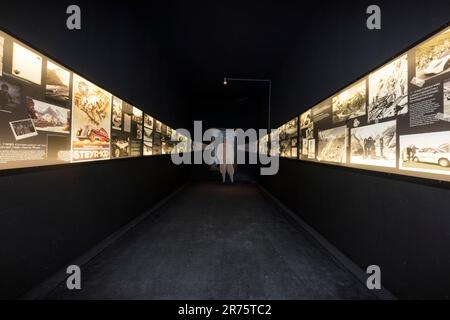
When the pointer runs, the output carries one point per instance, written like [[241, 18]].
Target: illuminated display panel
[[148, 135], [288, 139], [49, 115], [91, 134], [396, 119]]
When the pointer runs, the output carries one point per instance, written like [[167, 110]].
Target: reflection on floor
[[215, 241]]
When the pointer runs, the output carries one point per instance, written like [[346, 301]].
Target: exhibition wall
[[50, 115], [59, 209], [386, 215], [396, 119]]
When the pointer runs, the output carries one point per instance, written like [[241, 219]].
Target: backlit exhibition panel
[[396, 119], [50, 115]]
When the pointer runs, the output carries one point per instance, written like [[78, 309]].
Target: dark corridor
[[220, 242], [353, 116]]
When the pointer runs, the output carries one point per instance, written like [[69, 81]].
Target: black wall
[[403, 226], [399, 225], [49, 216]]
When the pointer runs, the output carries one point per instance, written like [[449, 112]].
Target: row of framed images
[[50, 115], [396, 119]]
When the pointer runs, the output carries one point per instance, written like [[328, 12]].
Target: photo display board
[[49, 115], [396, 119]]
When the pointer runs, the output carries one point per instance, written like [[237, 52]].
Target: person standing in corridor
[[225, 155]]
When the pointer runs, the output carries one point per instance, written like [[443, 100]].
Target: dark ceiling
[[207, 40]]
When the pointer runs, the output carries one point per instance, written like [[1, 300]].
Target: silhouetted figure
[[225, 155]]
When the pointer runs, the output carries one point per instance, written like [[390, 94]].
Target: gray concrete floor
[[215, 241]]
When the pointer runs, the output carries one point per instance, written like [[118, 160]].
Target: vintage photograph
[[117, 115], [447, 98], [10, 96], [350, 103], [148, 121], [263, 145], [157, 126], [333, 145], [306, 120], [305, 146], [388, 90], [148, 148], [137, 123], [23, 129], [289, 129], [285, 148], [433, 56], [426, 152], [26, 64], [311, 148], [288, 148], [120, 147], [47, 117], [91, 121], [148, 134], [57, 84], [374, 145]]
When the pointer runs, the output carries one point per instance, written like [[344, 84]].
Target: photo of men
[[23, 129], [374, 145]]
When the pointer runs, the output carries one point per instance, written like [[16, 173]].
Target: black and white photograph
[[117, 115], [47, 117], [158, 126], [137, 123], [447, 98], [433, 56], [374, 145], [10, 96], [120, 147], [350, 103], [311, 148], [57, 84], [23, 129], [289, 129], [388, 90], [285, 148], [148, 148], [306, 120], [264, 145], [148, 134], [26, 64], [139, 131], [148, 121], [426, 152], [305, 146], [333, 145]]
